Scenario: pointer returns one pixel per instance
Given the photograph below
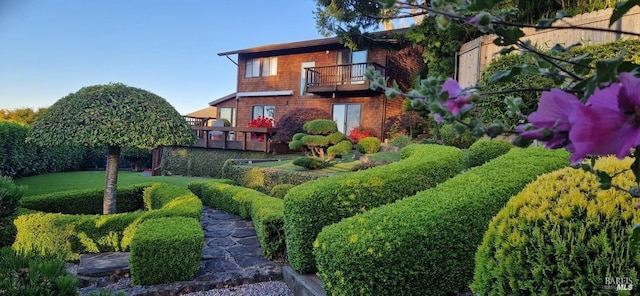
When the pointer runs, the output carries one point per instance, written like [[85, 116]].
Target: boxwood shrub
[[561, 235], [369, 145], [311, 206], [264, 179], [201, 162], [166, 250], [425, 244], [85, 201], [69, 235], [484, 150], [265, 211]]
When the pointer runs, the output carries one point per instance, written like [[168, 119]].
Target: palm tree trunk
[[111, 183]]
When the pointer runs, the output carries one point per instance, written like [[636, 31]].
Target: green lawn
[[56, 182]]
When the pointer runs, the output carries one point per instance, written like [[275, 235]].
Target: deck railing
[[233, 138], [349, 74]]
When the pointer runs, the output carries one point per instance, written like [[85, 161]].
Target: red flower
[[262, 122], [358, 133]]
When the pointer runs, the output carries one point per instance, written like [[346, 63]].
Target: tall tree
[[111, 116]]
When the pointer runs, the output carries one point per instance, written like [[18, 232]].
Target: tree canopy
[[111, 115]]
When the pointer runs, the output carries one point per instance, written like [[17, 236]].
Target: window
[[261, 67], [347, 116], [228, 114], [266, 111]]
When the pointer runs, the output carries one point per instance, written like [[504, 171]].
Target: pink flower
[[555, 111], [610, 121], [458, 98]]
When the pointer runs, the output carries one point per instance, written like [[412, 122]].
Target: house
[[321, 73]]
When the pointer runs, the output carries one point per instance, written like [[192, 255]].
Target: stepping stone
[[103, 264]]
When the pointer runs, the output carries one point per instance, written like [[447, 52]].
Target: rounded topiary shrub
[[280, 190], [311, 163], [561, 235], [369, 145], [486, 149], [320, 127]]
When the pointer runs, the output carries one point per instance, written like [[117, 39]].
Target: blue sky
[[50, 48]]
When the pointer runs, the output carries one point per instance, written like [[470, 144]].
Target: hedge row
[[425, 244], [85, 201], [265, 211], [484, 150], [200, 162], [311, 206], [166, 250], [68, 235], [19, 159], [264, 179]]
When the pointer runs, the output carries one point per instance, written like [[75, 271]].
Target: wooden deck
[[234, 138]]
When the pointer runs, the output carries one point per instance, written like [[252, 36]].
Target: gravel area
[[273, 288]]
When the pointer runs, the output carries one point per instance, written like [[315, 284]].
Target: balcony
[[341, 80], [214, 136]]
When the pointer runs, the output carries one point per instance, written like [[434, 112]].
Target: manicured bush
[[280, 190], [400, 141], [335, 138], [486, 149], [296, 145], [451, 137], [85, 201], [369, 145], [320, 127], [10, 195], [166, 250], [25, 274], [315, 140], [291, 122], [311, 206], [342, 147], [70, 235], [308, 162], [561, 235], [424, 244], [202, 162], [265, 211], [263, 179]]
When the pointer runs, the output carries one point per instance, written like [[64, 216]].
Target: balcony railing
[[212, 135], [339, 78]]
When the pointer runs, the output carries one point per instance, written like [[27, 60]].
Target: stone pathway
[[231, 257]]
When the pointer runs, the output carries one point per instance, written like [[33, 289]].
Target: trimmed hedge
[[68, 235], [280, 190], [264, 179], [18, 159], [424, 245], [311, 206], [201, 162], [166, 250], [265, 211], [10, 195], [85, 201], [484, 150], [562, 235]]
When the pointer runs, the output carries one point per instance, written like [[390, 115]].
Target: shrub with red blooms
[[358, 133], [261, 122], [291, 122]]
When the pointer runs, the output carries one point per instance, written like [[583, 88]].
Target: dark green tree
[[111, 116]]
